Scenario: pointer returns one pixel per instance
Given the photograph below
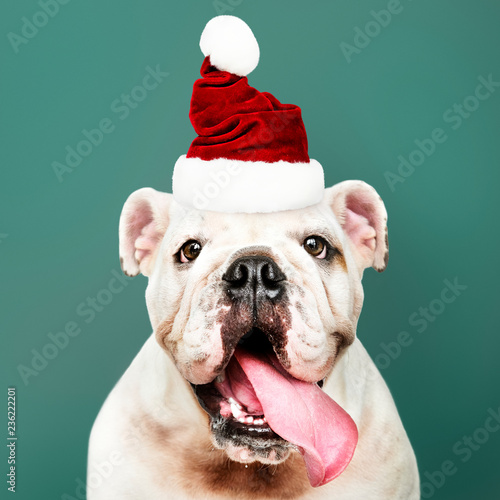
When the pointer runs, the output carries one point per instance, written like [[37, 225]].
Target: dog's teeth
[[236, 410], [242, 420], [258, 421], [235, 403], [249, 420]]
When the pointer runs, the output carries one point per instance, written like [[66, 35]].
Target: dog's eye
[[316, 246], [189, 251]]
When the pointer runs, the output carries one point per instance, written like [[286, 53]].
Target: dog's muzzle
[[258, 409]]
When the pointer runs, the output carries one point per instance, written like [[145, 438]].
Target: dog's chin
[[246, 443]]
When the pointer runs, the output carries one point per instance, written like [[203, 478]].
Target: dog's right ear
[[143, 223]]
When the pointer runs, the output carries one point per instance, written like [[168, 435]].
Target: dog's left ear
[[362, 214], [143, 223]]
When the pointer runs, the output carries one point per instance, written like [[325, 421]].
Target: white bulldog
[[253, 384]]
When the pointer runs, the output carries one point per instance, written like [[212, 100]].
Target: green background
[[58, 240]]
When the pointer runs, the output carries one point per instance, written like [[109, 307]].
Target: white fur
[[234, 186], [231, 45], [383, 467], [151, 420]]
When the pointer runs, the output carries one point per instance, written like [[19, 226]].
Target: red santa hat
[[251, 151]]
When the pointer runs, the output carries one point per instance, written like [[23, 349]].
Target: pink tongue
[[301, 413]]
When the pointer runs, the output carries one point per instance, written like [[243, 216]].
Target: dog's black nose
[[254, 277]]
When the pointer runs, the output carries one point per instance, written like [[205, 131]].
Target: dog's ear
[[143, 223], [362, 214]]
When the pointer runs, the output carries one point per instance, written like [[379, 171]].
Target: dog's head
[[282, 288]]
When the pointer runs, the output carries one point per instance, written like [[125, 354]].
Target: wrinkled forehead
[[222, 228]]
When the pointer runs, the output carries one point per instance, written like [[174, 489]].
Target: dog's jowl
[[253, 384]]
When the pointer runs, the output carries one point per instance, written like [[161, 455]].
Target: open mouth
[[231, 401], [257, 405]]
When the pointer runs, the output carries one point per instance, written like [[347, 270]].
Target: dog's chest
[[222, 477], [200, 471]]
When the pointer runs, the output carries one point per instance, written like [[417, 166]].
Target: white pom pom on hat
[[250, 154], [231, 45]]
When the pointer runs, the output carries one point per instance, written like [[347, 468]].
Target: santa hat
[[251, 151]]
